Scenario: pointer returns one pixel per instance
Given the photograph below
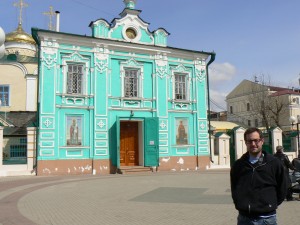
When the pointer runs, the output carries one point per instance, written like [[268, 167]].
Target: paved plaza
[[160, 198]]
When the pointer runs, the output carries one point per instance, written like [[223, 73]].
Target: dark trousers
[[289, 193]]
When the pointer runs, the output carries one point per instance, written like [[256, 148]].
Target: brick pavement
[[152, 198]]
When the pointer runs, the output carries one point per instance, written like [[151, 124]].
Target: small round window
[[131, 33]]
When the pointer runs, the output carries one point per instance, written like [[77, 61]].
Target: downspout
[[34, 32], [212, 58]]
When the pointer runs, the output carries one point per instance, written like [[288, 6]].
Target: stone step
[[135, 169]]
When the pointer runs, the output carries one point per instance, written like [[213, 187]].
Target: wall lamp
[[131, 113]]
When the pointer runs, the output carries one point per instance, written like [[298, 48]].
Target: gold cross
[[51, 13], [21, 4]]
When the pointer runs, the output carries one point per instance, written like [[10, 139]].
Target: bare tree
[[266, 102]]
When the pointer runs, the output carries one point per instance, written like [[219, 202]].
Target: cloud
[[220, 75], [219, 72], [217, 100]]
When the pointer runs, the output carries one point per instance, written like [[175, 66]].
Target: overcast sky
[[249, 37]]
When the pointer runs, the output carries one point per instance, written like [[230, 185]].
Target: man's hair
[[251, 130], [279, 148]]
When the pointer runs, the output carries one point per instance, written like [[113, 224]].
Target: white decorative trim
[[163, 125], [135, 28], [101, 62], [49, 60], [47, 123], [200, 70], [161, 66], [101, 124]]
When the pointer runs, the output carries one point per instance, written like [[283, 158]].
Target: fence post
[[31, 147], [240, 146], [276, 138]]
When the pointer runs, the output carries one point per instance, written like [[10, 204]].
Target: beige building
[[18, 104], [18, 73], [246, 100]]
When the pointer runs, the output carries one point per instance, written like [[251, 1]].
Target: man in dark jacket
[[284, 159], [258, 184]]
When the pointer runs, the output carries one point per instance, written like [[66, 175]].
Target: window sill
[[182, 101], [75, 95]]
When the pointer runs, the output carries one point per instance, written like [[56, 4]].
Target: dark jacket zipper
[[253, 169]]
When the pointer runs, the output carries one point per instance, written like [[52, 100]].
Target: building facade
[[280, 104], [120, 98]]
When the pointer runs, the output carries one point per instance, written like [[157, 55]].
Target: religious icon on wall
[[182, 128], [74, 130]]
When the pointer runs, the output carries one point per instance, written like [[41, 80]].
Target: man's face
[[254, 143]]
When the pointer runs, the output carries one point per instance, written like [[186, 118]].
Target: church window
[[4, 95], [75, 79], [131, 83], [180, 87]]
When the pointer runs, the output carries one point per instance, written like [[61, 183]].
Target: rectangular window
[[256, 122], [249, 123], [23, 140], [231, 109], [18, 151], [131, 83], [180, 87], [74, 130], [181, 131], [75, 79], [248, 106], [4, 95]]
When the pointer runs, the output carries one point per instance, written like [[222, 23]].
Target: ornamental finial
[[130, 4]]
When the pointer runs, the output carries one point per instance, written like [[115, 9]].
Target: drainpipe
[[212, 58], [34, 32]]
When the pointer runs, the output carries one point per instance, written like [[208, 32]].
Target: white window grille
[[180, 87], [131, 83], [75, 79]]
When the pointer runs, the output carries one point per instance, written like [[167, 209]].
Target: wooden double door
[[129, 143]]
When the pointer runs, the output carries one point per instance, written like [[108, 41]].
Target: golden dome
[[20, 36]]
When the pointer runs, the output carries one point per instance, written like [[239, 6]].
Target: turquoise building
[[120, 98]]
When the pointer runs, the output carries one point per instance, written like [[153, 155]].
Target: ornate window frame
[[75, 59], [132, 64], [181, 70]]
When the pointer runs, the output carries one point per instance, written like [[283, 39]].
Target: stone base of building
[[74, 167], [104, 167], [184, 163]]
